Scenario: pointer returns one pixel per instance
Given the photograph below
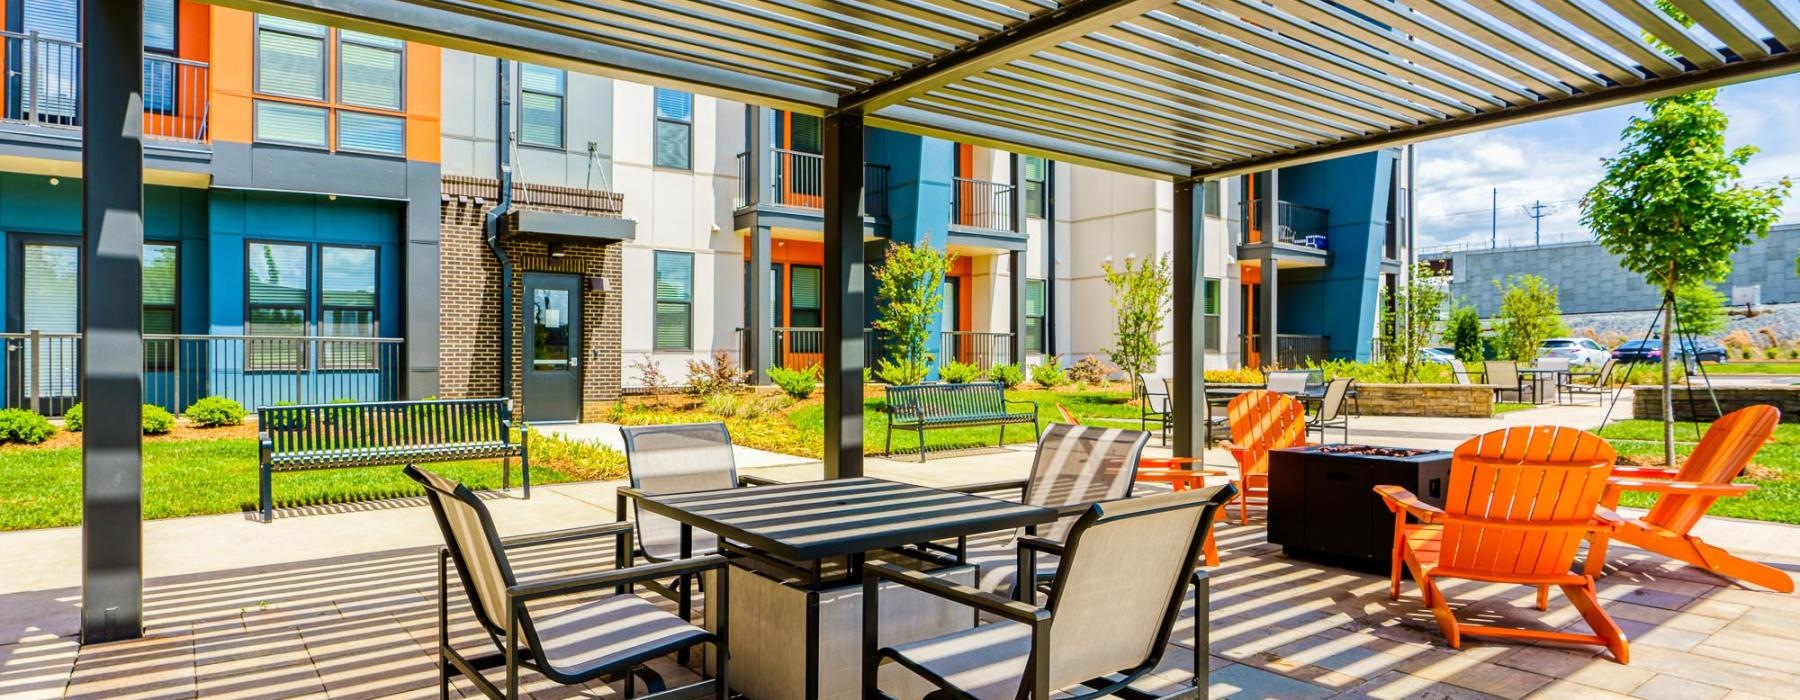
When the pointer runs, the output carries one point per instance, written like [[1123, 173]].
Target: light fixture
[[54, 182], [331, 197], [556, 250], [599, 284]]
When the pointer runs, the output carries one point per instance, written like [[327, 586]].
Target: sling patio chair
[[1459, 372], [1505, 377], [1684, 497], [1331, 413], [1122, 577], [1075, 466], [1261, 421], [1519, 504], [1153, 403], [1288, 381], [1601, 387], [534, 625], [675, 459]]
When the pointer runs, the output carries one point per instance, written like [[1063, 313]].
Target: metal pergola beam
[[1187, 395], [1070, 21]]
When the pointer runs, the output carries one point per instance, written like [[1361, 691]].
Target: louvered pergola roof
[[1166, 88]]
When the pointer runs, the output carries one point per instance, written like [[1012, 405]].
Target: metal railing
[[800, 348], [43, 86], [799, 181], [981, 349], [983, 204], [1296, 224], [42, 370], [1291, 350]]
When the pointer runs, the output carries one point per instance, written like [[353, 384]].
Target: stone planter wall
[[1646, 401], [1439, 400]]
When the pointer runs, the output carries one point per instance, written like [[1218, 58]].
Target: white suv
[[1579, 351]]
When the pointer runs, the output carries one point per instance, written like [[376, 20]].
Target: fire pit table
[[1322, 502]]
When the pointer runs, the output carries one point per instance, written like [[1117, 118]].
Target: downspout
[[503, 160]]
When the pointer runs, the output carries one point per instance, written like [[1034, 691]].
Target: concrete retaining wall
[[1646, 401]]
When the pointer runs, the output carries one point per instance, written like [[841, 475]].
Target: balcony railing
[[982, 204], [1296, 224], [983, 350], [800, 348], [1291, 350], [798, 180], [42, 370], [43, 86]]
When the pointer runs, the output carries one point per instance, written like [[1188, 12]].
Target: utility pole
[[1494, 221], [1537, 213]]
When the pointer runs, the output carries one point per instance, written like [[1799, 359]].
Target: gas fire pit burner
[[1372, 451]]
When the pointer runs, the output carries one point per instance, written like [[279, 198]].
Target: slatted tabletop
[[821, 519]]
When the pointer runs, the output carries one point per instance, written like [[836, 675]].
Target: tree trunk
[[1668, 399]]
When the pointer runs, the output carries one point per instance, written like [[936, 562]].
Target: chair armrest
[[976, 598], [1399, 499], [1682, 487], [1232, 447], [266, 446], [614, 529], [986, 486], [1023, 402], [749, 480], [1642, 473], [631, 493], [1611, 519], [1040, 544], [613, 578]]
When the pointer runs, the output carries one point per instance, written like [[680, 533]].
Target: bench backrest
[[383, 427], [930, 400]]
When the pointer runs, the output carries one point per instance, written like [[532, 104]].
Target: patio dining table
[[798, 551]]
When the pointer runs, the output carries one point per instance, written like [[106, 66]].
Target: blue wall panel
[[1340, 299], [919, 189]]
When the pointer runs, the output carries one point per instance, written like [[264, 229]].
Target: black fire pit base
[[1323, 506]]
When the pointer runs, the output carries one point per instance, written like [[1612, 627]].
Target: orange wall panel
[[233, 73], [424, 103], [194, 24]]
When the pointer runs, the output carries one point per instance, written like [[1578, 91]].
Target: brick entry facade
[[469, 280]]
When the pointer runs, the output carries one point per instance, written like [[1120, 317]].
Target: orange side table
[[1182, 474]]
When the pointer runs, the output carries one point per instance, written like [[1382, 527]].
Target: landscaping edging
[[1438, 400], [1696, 404]]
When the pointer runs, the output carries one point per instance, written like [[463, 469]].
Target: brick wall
[[1442, 400], [1697, 405], [469, 298]]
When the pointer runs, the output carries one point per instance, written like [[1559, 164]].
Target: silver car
[[1578, 351]]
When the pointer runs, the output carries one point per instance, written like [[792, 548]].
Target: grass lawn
[[1508, 407], [40, 486], [1775, 469], [1755, 367]]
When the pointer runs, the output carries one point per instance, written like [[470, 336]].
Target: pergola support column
[[1267, 308], [112, 343], [842, 301], [759, 320], [1015, 265], [1187, 400]]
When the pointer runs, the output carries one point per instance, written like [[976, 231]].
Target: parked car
[[1651, 350], [1436, 356], [1578, 351]]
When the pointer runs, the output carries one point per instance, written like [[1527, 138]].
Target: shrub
[[1772, 353], [651, 376], [72, 419], [1049, 373], [1090, 370], [1009, 375], [576, 458], [214, 411], [20, 425], [959, 372], [719, 376], [868, 375], [157, 421], [283, 422], [909, 293], [900, 372], [1463, 333], [795, 382], [1747, 353], [723, 405], [1239, 375]]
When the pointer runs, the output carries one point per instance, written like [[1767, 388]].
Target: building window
[[290, 58], [371, 133], [292, 62], [1035, 298], [541, 94], [279, 294], [161, 288], [291, 124], [674, 300], [1209, 198], [347, 306], [674, 129], [369, 68], [159, 40], [1037, 171], [804, 310], [1209, 313]]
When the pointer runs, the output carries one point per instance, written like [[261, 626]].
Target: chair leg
[[1212, 547], [1595, 566], [1543, 597], [1440, 609], [1597, 620], [1726, 564]]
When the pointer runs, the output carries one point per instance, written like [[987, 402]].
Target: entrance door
[[950, 321], [552, 372]]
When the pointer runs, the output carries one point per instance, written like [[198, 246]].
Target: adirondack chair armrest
[[1398, 499], [1612, 520], [1682, 487], [1232, 447], [1642, 473]]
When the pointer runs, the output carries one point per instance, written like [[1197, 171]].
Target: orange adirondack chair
[[1686, 495], [1520, 502], [1260, 421]]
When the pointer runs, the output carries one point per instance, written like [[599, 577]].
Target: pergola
[[1180, 90]]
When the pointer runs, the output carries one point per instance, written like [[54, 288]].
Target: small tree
[[1410, 316], [1671, 206], [910, 289], [1529, 315], [1140, 298], [1463, 333], [1699, 310]]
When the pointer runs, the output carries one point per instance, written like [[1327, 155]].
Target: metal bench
[[922, 406], [343, 435]]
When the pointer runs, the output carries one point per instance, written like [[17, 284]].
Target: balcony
[[1292, 351], [981, 349], [43, 88], [797, 179], [1296, 225], [981, 204]]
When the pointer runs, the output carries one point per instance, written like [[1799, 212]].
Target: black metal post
[[112, 352], [1187, 400], [843, 299], [759, 321], [1015, 263], [1266, 311]]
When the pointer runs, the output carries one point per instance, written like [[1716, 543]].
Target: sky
[[1555, 161]]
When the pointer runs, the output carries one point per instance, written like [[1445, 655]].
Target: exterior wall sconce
[[599, 284]]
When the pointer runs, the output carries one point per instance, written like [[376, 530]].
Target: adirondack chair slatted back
[[1721, 456], [1082, 464], [343, 434], [1509, 488], [666, 459], [1262, 421]]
